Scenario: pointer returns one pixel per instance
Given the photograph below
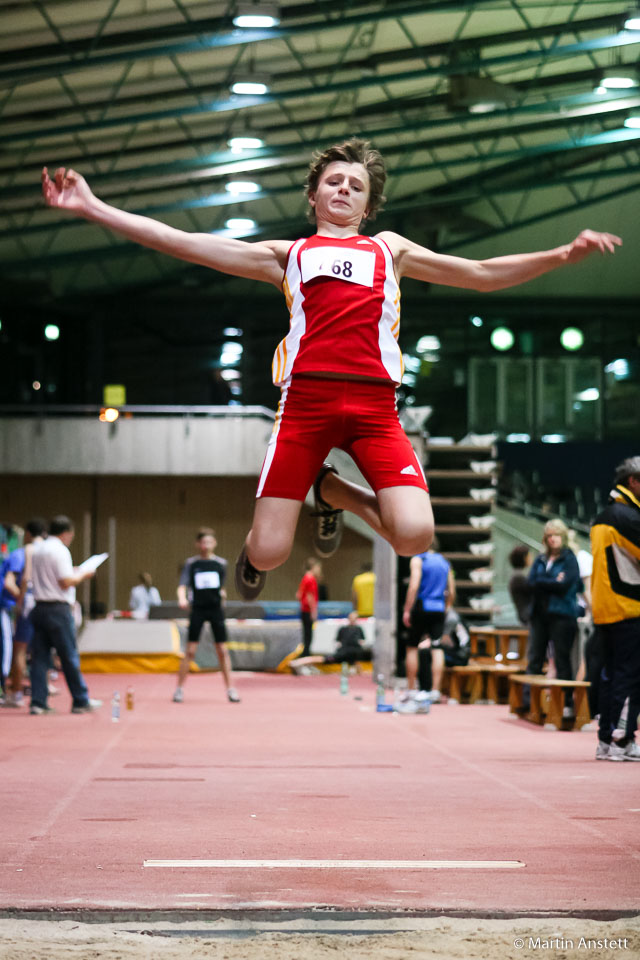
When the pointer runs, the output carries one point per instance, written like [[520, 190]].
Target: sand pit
[[318, 938]]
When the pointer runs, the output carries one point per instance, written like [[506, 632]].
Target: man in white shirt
[[54, 587]]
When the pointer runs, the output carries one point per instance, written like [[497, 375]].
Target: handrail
[[531, 510], [204, 410]]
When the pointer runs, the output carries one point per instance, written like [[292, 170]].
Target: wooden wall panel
[[156, 519]]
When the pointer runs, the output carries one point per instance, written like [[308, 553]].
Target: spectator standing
[[615, 544], [520, 589], [363, 589], [143, 596], [202, 587], [555, 582], [54, 589], [18, 593], [307, 596], [431, 592]]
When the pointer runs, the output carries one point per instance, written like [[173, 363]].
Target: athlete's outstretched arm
[[412, 260], [265, 260]]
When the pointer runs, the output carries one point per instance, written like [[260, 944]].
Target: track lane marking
[[342, 864]]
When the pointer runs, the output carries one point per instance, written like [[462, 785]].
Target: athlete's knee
[[268, 551], [413, 537]]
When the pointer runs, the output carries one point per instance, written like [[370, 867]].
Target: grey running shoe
[[629, 752], [11, 700], [249, 580], [87, 707], [233, 696], [328, 522], [178, 696], [37, 711], [602, 750]]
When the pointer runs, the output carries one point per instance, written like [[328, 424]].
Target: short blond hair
[[555, 526]]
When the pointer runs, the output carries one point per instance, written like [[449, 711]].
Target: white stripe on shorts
[[273, 440]]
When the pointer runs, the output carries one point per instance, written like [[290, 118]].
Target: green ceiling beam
[[467, 194], [236, 103], [211, 34], [541, 217], [296, 154]]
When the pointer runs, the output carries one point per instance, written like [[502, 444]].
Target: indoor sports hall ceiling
[[494, 117]]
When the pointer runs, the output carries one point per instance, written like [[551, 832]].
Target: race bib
[[207, 580], [355, 266]]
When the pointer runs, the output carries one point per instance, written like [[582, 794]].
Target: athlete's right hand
[[66, 190]]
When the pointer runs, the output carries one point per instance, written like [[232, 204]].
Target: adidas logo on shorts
[[410, 470]]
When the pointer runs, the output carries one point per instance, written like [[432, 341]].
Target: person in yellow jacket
[[363, 588], [615, 596]]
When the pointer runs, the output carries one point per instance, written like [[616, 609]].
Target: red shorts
[[359, 417]]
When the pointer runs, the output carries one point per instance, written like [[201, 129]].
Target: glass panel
[[551, 397], [483, 410], [517, 384], [587, 398]]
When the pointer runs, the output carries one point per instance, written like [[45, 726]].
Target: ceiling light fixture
[[238, 144], [240, 224], [618, 78], [257, 16], [250, 87], [632, 21], [242, 186]]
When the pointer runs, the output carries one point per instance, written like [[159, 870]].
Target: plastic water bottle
[[344, 679], [381, 693], [129, 698], [115, 707]]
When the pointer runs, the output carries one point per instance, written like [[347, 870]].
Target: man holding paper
[[54, 586]]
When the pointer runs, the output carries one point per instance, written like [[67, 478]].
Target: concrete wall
[[142, 445]]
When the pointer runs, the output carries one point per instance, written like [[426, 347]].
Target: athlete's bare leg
[[437, 668], [185, 663], [272, 532], [401, 515], [225, 663], [411, 667]]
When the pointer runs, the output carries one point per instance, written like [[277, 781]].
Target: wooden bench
[[479, 680], [547, 699], [498, 641]]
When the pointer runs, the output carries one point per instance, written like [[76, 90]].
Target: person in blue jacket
[[555, 582]]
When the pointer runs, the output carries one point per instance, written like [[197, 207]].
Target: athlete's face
[[343, 194], [206, 545]]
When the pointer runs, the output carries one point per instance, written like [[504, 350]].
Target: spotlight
[[502, 338], [571, 338], [51, 331], [109, 415]]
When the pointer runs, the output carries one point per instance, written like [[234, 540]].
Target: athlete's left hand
[[590, 241]]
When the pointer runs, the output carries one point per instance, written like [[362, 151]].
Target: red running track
[[299, 772]]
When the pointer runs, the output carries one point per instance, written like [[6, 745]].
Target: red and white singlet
[[344, 302]]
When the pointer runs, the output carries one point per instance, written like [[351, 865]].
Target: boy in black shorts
[[202, 581]]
